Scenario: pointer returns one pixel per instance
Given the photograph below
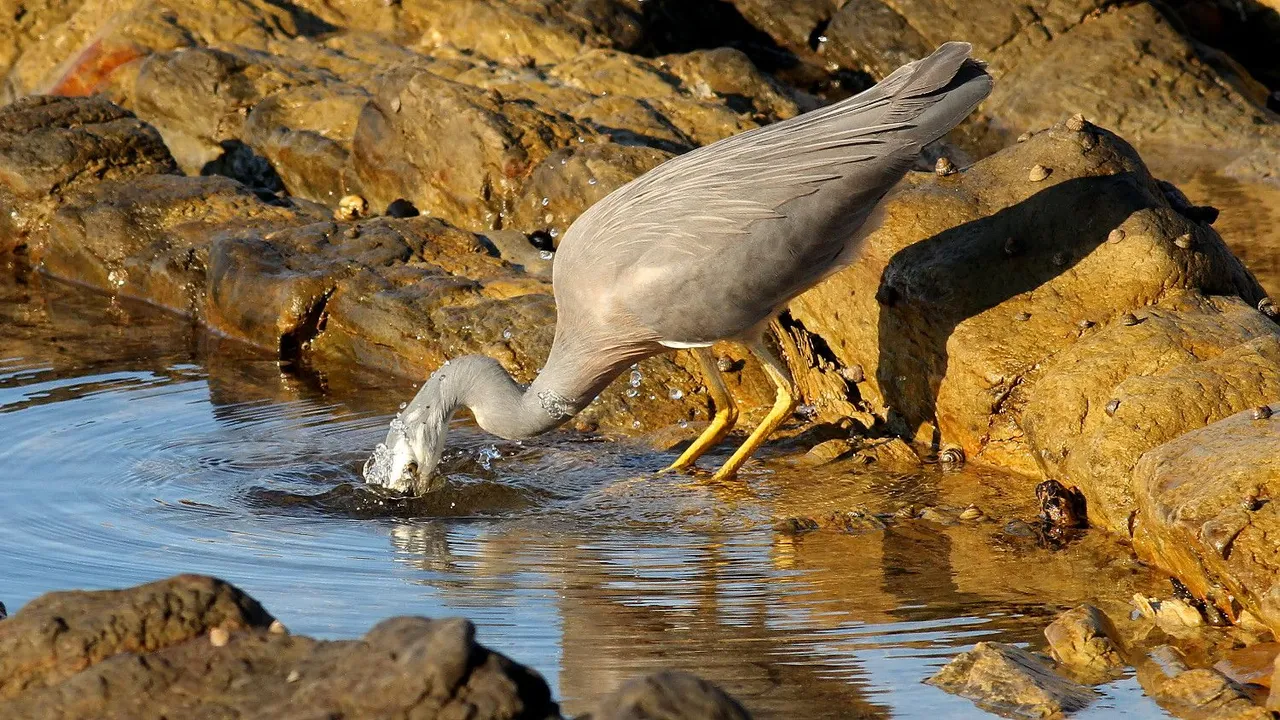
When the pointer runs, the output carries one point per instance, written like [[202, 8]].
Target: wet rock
[[1206, 513], [1252, 665], [1175, 616], [51, 148], [182, 646], [946, 363], [1085, 642], [1006, 679], [149, 238], [669, 695], [60, 634], [1061, 507], [1194, 693]]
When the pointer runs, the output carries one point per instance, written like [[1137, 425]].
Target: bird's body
[[708, 246]]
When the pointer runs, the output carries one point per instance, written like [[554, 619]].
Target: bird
[[708, 246]]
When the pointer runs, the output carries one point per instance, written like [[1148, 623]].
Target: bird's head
[[406, 461]]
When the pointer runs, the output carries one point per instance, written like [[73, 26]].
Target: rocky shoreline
[[382, 185]]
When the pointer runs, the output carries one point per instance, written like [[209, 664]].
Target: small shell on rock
[[1025, 136], [951, 456], [219, 637], [1022, 316], [1112, 407], [1038, 172], [293, 676], [1115, 236], [1076, 123], [1088, 141], [351, 207], [1129, 319], [1085, 324], [395, 104], [853, 374], [724, 364], [1185, 241], [277, 628], [973, 512], [1267, 307], [1262, 412], [944, 166]]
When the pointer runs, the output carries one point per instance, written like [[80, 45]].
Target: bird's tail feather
[[936, 93]]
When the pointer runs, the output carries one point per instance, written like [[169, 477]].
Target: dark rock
[[60, 634], [1009, 680], [669, 696], [402, 209], [197, 647]]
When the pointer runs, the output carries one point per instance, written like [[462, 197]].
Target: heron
[[709, 246]]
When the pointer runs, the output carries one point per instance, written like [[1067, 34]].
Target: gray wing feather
[[768, 207]]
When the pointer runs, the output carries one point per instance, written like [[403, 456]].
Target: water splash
[[487, 455]]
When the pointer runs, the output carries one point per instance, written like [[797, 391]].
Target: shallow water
[[135, 447]]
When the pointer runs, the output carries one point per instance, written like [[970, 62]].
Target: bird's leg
[[724, 419], [783, 405]]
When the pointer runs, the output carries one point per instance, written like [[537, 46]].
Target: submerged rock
[[1194, 692], [1008, 680]]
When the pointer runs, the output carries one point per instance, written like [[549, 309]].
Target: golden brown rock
[[1084, 641], [1207, 514], [1009, 680]]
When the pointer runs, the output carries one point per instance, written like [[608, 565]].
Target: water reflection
[[136, 447]]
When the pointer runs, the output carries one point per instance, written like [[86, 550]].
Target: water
[[135, 447]]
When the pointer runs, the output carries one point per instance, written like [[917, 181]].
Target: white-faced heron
[[708, 246]]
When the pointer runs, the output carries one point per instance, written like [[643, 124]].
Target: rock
[[1085, 642], [669, 695], [50, 148], [143, 653], [454, 151], [1194, 693], [946, 364], [1174, 616], [1250, 665], [149, 239], [1170, 374], [58, 635], [572, 179], [1206, 511], [1006, 679], [1273, 700]]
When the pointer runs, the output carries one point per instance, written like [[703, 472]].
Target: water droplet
[[632, 392], [581, 139], [636, 378], [506, 334], [487, 455], [635, 424], [554, 233], [546, 254], [546, 201], [675, 393], [592, 181]]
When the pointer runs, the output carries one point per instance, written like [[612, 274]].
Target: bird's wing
[[692, 204]]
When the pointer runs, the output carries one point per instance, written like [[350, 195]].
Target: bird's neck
[[503, 407]]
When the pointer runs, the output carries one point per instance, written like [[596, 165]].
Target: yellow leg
[[782, 408], [721, 423]]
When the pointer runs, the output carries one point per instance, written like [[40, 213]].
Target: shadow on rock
[[930, 287]]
